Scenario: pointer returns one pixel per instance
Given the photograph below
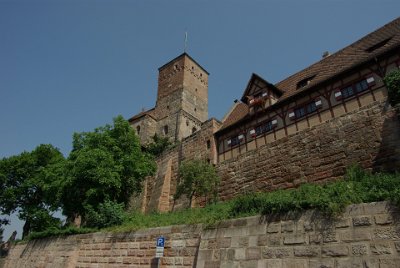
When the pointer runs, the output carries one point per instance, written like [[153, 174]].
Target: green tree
[[392, 81], [158, 145], [28, 182], [197, 178], [106, 164]]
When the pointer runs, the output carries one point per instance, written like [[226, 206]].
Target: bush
[[392, 81], [107, 214], [197, 179]]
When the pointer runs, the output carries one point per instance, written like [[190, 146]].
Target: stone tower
[[182, 101]]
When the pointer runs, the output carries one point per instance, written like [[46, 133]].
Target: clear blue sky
[[70, 66]]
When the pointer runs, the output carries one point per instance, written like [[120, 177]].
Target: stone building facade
[[306, 128], [182, 102]]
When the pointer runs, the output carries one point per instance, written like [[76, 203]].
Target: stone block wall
[[368, 136], [365, 235], [159, 190]]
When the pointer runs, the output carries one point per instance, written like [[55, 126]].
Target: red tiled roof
[[331, 66], [345, 59], [238, 112]]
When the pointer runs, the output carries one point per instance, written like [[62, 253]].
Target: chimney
[[326, 54]]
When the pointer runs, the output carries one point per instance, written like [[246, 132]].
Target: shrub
[[392, 81]]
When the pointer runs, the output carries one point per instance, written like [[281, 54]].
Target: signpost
[[160, 249]]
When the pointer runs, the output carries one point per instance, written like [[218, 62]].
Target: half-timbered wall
[[325, 103]]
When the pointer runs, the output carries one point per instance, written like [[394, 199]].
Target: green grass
[[358, 186]]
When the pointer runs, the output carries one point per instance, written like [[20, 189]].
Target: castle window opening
[[187, 123], [168, 107], [138, 130], [194, 130], [195, 109], [165, 130], [208, 144], [355, 88], [263, 128]]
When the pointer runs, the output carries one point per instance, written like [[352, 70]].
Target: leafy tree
[[108, 214], [197, 178], [28, 182], [106, 164], [158, 145], [392, 81]]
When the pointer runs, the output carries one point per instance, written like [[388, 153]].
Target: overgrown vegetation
[[197, 179], [392, 81], [358, 186]]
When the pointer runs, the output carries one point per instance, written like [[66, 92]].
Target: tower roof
[[181, 56]]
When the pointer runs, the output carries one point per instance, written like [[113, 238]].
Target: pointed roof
[[369, 48], [150, 113], [253, 80], [183, 55], [237, 112]]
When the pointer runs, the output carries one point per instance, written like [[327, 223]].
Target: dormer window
[[305, 82], [378, 45]]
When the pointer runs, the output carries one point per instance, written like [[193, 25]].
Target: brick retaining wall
[[365, 235]]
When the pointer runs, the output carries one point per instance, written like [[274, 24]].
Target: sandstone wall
[[368, 136], [365, 235], [159, 190]]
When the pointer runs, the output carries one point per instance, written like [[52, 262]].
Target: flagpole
[[186, 38]]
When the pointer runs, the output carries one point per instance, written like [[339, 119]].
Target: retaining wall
[[365, 235]]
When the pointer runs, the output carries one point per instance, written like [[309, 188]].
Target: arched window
[[165, 130], [138, 130]]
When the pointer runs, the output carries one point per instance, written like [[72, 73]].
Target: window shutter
[[274, 123], [292, 115], [229, 142], [240, 137], [318, 102], [253, 132], [264, 94], [338, 94], [370, 80]]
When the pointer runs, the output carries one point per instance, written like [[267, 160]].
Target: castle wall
[[200, 145], [365, 235], [368, 136]]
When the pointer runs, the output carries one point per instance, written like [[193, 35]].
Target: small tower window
[[187, 123], [165, 130], [194, 130], [195, 109], [138, 130], [208, 144]]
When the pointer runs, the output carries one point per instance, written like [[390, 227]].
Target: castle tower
[[182, 98]]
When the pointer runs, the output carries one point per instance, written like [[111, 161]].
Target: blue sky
[[71, 66]]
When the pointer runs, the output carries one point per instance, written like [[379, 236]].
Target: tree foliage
[[106, 164], [197, 178], [392, 81], [158, 145], [107, 214], [28, 182]]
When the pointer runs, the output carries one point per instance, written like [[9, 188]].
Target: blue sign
[[160, 242]]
